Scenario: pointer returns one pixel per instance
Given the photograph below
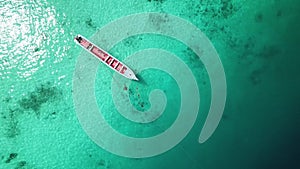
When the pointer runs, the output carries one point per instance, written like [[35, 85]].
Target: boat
[[105, 57]]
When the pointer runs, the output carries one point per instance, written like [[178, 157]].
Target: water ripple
[[27, 31]]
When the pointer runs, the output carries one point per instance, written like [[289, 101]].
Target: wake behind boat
[[105, 57]]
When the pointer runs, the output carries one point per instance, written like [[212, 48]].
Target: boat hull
[[105, 57]]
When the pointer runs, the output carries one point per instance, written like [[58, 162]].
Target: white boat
[[105, 57]]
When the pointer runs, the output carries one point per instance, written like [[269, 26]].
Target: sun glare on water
[[25, 32]]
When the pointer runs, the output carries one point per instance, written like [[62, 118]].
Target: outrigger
[[105, 57]]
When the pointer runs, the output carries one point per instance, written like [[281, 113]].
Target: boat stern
[[78, 38]]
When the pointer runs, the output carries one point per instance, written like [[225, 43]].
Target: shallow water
[[257, 43]]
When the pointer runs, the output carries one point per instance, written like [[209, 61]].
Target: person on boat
[[79, 39]]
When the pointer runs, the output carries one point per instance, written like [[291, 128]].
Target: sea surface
[[258, 44]]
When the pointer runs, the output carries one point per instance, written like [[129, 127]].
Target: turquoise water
[[257, 43]]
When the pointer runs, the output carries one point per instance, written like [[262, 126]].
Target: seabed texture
[[258, 43]]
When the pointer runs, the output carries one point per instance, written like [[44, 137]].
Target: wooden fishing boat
[[105, 57]]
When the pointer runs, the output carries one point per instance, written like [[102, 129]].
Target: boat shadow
[[141, 80]]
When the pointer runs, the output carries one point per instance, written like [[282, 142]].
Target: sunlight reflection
[[24, 30]]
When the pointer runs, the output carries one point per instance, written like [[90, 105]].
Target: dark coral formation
[[158, 1], [11, 128], [40, 96], [11, 160], [259, 17], [158, 21], [140, 103], [11, 157], [104, 164], [21, 164], [33, 101], [132, 41], [217, 10], [210, 16], [192, 58], [89, 22], [255, 76]]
